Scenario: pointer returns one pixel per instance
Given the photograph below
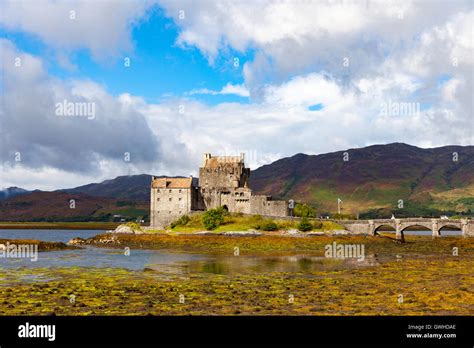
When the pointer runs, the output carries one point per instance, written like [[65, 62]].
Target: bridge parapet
[[370, 227]]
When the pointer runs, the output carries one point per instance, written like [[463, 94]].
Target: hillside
[[13, 191], [129, 187], [55, 206], [374, 179], [126, 187], [370, 183]]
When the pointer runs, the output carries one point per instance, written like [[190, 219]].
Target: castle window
[[180, 198], [169, 212], [158, 190], [158, 199], [180, 211], [170, 199], [179, 191], [169, 191], [241, 194]]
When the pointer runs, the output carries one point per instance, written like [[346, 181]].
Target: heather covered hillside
[[375, 178], [371, 183]]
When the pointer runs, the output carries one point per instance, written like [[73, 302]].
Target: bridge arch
[[385, 227], [450, 228], [372, 227], [406, 226]]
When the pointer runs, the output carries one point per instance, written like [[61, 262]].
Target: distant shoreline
[[32, 225], [59, 225]]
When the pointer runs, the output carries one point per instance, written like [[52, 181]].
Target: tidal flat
[[420, 277]]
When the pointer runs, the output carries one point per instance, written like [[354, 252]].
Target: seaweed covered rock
[[77, 241], [129, 227]]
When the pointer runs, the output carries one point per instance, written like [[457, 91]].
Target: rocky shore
[[268, 244], [42, 245]]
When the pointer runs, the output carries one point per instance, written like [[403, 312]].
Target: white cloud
[[229, 88], [293, 38], [181, 130], [45, 140], [305, 91], [299, 51], [103, 27]]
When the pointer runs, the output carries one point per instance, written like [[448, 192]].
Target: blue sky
[[158, 69], [313, 77]]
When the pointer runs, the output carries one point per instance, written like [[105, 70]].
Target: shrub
[[213, 218], [305, 225], [269, 226], [223, 211], [304, 210], [183, 220]]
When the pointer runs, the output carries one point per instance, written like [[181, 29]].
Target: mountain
[[125, 196], [371, 182], [13, 191], [127, 187], [375, 178], [63, 206]]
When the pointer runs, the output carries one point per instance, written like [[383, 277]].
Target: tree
[[213, 218], [304, 210]]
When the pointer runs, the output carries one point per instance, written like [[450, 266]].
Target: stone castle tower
[[223, 181]]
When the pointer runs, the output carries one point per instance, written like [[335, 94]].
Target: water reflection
[[262, 264], [171, 262]]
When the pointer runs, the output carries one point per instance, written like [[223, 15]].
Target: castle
[[223, 181]]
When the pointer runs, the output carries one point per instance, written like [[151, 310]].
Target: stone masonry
[[223, 181]]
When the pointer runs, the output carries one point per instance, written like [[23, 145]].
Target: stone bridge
[[371, 227]]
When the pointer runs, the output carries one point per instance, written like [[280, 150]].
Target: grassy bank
[[241, 222], [59, 225]]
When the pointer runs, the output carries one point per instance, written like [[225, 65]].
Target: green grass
[[239, 222]]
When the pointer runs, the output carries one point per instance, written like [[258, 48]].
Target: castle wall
[[168, 204], [211, 197], [223, 181], [263, 205], [230, 175]]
